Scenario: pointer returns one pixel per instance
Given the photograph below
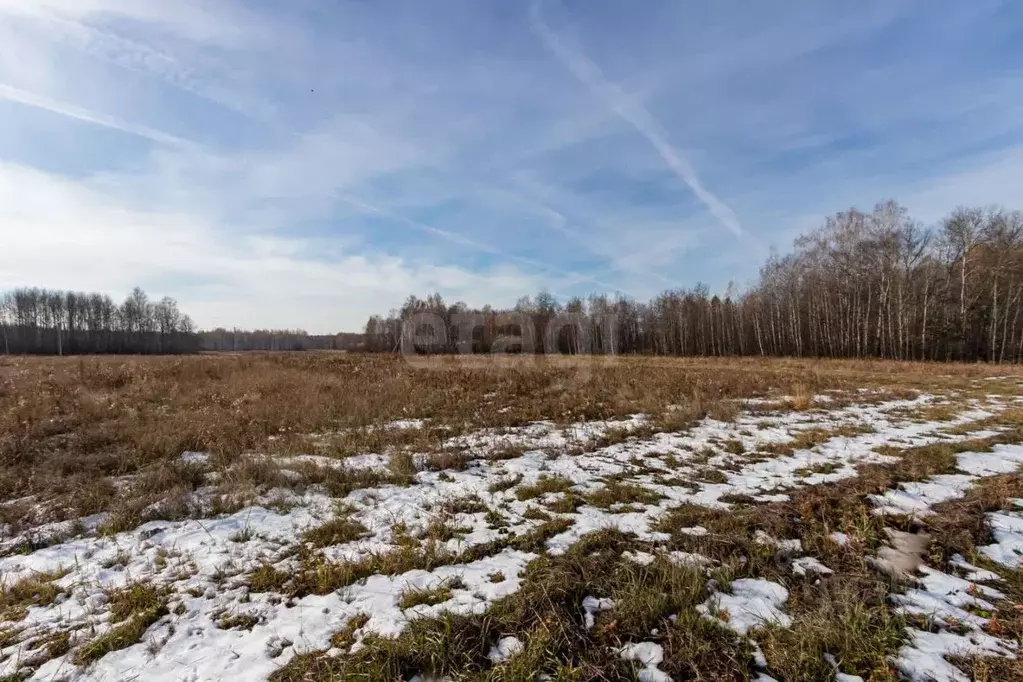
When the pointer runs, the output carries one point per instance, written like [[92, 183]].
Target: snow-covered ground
[[205, 564], [945, 598]]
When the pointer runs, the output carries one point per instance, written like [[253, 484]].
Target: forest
[[49, 322], [862, 285]]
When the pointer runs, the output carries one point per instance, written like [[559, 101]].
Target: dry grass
[[336, 531], [546, 616], [71, 427], [78, 436], [847, 615], [345, 637], [315, 574], [543, 486], [413, 597], [621, 493], [35, 590], [802, 396], [132, 609]]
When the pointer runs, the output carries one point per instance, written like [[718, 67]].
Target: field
[[331, 516]]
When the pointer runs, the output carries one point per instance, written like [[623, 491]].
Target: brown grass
[[336, 531], [35, 590], [132, 609], [106, 434], [71, 428], [802, 396]]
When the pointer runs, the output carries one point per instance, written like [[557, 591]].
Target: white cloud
[[222, 22], [65, 234], [346, 155]]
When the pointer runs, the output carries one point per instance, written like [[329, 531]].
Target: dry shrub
[[252, 473], [802, 397], [960, 525], [723, 410], [440, 461], [402, 465]]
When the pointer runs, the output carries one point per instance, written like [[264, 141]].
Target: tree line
[[236, 340], [50, 322], [875, 284]]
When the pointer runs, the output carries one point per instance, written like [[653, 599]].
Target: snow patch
[[808, 565], [1007, 529], [649, 655], [753, 602], [592, 606], [923, 659], [840, 538], [505, 648], [194, 457], [638, 557]]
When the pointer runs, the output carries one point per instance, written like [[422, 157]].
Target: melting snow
[[916, 498], [211, 557], [752, 603], [923, 660], [840, 538], [641, 558], [947, 600], [808, 565], [592, 606], [194, 457], [505, 648], [649, 655], [1007, 529], [973, 574], [688, 559]]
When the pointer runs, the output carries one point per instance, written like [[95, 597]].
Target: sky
[[306, 164]]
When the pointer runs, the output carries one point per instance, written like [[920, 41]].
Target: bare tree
[[875, 284]]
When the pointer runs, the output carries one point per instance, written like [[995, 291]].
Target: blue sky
[[305, 164]]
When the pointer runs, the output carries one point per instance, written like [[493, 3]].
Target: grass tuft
[[413, 597], [615, 492], [35, 590], [134, 609], [336, 531], [543, 486]]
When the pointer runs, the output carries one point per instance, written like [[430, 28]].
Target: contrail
[[464, 241], [31, 99], [590, 75]]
